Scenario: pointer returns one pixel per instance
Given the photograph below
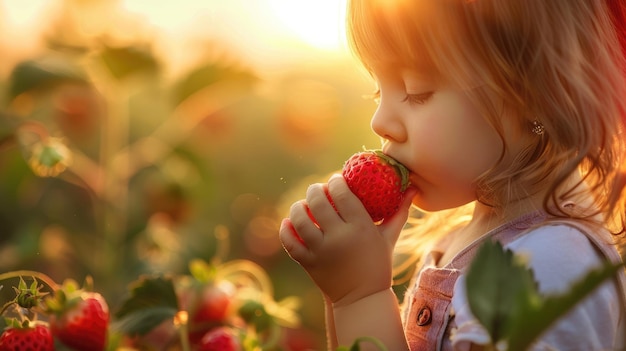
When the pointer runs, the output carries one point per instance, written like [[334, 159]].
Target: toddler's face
[[437, 132]]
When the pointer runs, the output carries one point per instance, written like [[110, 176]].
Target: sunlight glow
[[23, 13], [267, 33], [319, 23]]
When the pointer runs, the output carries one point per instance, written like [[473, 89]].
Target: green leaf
[[152, 300], [140, 322], [254, 313], [499, 289], [531, 323], [209, 74], [504, 297], [43, 73], [124, 62]]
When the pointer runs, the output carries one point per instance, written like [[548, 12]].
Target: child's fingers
[[395, 223], [292, 242], [346, 203], [321, 208], [301, 228]]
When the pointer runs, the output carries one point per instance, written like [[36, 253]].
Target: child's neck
[[485, 219]]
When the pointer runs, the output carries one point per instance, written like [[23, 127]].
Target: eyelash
[[418, 99]]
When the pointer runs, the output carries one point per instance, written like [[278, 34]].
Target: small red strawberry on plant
[[209, 309], [220, 339], [79, 318], [378, 181], [206, 300], [22, 331], [32, 336]]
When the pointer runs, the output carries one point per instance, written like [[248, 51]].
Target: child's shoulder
[[558, 253]]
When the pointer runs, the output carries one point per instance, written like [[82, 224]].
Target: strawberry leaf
[[499, 288], [504, 297], [140, 322], [152, 300], [532, 322], [3, 324]]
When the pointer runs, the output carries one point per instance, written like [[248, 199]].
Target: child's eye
[[419, 99]]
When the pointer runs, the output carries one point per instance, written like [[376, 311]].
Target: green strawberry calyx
[[68, 296], [14, 323], [401, 169]]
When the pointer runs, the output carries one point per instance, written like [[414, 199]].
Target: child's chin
[[433, 206]]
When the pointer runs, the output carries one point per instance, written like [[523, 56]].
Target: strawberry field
[[158, 186], [143, 185]]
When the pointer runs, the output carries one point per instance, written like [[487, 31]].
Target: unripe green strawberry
[[378, 181], [35, 337]]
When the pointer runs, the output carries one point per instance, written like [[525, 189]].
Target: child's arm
[[376, 316], [350, 260], [331, 335]]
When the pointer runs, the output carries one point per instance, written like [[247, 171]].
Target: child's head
[[557, 62]]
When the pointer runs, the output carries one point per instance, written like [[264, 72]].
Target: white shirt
[[558, 255]]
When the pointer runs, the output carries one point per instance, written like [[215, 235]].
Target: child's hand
[[344, 252]]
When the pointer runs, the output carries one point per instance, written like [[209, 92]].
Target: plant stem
[[181, 322], [26, 273]]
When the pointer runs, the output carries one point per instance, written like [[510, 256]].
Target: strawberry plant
[[79, 318], [28, 336], [193, 312], [220, 339], [504, 297], [217, 306], [378, 181], [23, 330]]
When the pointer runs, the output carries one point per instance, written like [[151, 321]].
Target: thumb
[[393, 225]]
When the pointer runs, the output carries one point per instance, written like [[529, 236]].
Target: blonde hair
[[558, 62]]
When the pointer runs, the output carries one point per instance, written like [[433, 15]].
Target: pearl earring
[[538, 128]]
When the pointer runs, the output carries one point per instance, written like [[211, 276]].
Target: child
[[508, 115]]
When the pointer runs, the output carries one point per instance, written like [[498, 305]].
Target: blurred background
[[136, 135]]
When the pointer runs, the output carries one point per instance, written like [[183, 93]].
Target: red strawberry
[[220, 339], [81, 320], [378, 181], [208, 309], [35, 337]]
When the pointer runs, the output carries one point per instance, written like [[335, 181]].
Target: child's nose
[[387, 124]]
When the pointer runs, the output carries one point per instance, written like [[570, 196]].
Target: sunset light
[[267, 31], [319, 23], [153, 147]]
